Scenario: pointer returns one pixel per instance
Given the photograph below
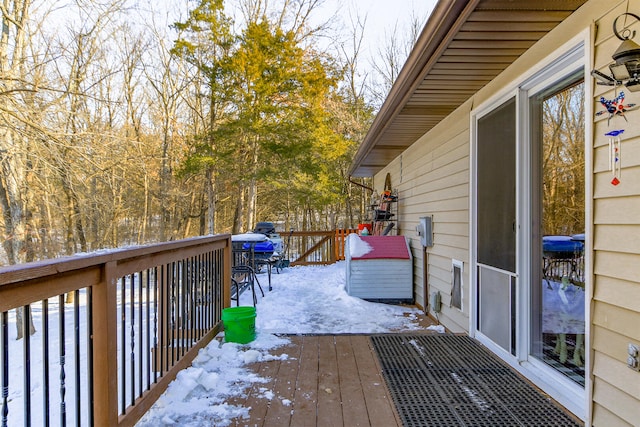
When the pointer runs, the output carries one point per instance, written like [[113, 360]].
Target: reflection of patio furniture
[[562, 315], [563, 295], [563, 257]]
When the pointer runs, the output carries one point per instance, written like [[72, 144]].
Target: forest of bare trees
[[122, 123], [563, 160]]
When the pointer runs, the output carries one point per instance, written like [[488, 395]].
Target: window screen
[[496, 192]]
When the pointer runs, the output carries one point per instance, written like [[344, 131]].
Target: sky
[[382, 17]]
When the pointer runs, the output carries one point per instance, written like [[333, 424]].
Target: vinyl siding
[[616, 244], [432, 178]]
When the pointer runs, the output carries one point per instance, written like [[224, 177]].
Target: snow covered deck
[[326, 380], [313, 361]]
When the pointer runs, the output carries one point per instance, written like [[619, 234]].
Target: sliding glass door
[[558, 227]]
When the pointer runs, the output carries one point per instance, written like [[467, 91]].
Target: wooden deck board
[[326, 381], [306, 394], [379, 404], [279, 410], [329, 404], [354, 408], [254, 399]]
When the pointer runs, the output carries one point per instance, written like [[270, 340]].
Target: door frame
[[575, 55]]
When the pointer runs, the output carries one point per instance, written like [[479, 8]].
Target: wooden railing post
[[226, 275], [104, 339], [334, 249]]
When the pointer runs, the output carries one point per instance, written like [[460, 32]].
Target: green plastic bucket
[[239, 324]]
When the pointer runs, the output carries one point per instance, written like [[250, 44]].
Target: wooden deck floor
[[327, 380]]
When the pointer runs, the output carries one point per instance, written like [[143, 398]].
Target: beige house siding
[[616, 256], [432, 178]]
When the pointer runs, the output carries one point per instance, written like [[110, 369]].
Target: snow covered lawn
[[304, 300]]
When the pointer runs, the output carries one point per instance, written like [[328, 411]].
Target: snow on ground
[[303, 300]]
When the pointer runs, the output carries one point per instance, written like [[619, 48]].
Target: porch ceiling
[[463, 46]]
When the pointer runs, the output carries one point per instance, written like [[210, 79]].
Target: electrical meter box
[[425, 231]]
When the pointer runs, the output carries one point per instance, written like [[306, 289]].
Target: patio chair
[[243, 278]]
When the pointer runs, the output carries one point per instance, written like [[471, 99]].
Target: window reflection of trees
[[563, 162]]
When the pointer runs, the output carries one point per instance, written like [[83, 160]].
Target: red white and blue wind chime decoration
[[625, 69], [615, 108]]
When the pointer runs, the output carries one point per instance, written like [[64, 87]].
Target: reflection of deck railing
[[570, 268], [139, 316], [563, 259], [317, 247]]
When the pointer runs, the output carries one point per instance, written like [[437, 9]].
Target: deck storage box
[[382, 271]]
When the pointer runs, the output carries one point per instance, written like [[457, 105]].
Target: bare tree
[[14, 160], [391, 56]]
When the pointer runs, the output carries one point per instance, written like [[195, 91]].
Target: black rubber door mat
[[451, 380]]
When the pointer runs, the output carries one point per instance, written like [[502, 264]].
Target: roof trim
[[448, 15], [464, 45]]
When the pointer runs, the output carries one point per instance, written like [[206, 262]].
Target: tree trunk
[[211, 200], [237, 216], [252, 198], [20, 323]]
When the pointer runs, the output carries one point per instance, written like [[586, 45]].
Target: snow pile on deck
[[303, 300], [199, 395]]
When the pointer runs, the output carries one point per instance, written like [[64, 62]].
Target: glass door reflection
[[558, 316]]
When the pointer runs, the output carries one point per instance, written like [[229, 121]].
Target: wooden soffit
[[464, 45]]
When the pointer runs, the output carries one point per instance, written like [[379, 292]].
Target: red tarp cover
[[390, 247]]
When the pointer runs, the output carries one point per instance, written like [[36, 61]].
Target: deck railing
[[138, 317], [317, 247]]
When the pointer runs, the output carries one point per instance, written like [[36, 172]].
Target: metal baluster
[[183, 294], [76, 340], [4, 334], [123, 345], [205, 295], [148, 349], [158, 356], [164, 298], [89, 304], [173, 313], [61, 333], [45, 360], [140, 322], [132, 290], [190, 304], [199, 302], [26, 353], [219, 286], [216, 298]]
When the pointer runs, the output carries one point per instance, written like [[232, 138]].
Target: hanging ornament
[[614, 154], [615, 107]]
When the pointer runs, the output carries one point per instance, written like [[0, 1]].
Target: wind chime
[[625, 71], [614, 154], [615, 107]]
